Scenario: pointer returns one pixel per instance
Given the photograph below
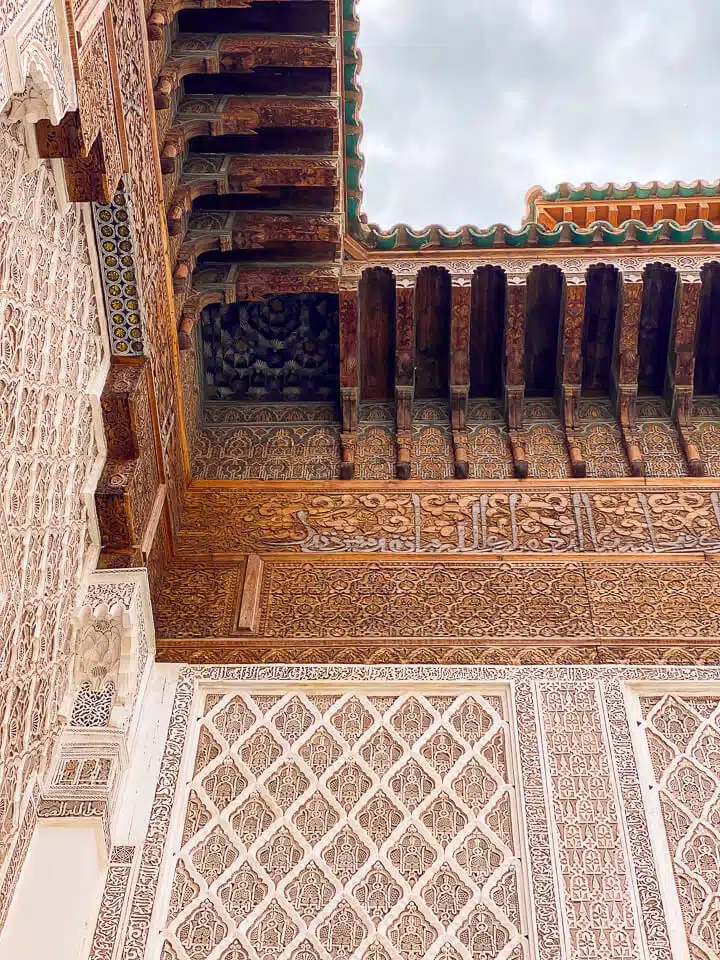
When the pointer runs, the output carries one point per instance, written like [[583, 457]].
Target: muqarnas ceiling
[[280, 349]]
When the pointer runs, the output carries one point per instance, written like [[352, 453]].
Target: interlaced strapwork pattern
[[340, 825], [50, 349], [683, 737]]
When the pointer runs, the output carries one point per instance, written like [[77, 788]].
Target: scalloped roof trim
[[625, 191], [534, 234]]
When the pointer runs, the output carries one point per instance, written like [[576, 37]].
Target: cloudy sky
[[468, 103]]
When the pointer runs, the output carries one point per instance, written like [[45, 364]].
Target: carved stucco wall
[[397, 813], [53, 360]]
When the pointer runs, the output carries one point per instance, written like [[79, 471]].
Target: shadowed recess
[[272, 140], [284, 348], [377, 334], [655, 323], [489, 294], [291, 251], [544, 297], [281, 199], [433, 298], [295, 16], [263, 80], [707, 352], [600, 324]]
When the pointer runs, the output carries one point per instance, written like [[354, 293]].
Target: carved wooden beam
[[681, 362], [232, 53], [681, 368], [625, 369], [256, 282], [570, 372], [349, 380], [219, 174], [246, 115], [404, 378], [514, 374], [460, 375], [223, 231], [215, 116]]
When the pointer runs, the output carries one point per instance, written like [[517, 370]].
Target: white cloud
[[468, 103]]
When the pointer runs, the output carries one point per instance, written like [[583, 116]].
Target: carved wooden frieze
[[490, 519]]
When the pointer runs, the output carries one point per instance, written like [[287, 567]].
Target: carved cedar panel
[[397, 599], [351, 825], [431, 603], [683, 739]]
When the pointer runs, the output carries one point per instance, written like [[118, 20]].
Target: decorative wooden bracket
[[514, 374], [460, 376], [404, 379], [570, 372], [349, 380], [625, 369], [91, 139], [681, 369]]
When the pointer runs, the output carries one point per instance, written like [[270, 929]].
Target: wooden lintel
[[349, 380], [460, 376], [249, 610], [404, 379]]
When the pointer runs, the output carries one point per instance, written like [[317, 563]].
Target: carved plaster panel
[[416, 811], [114, 651], [678, 733], [53, 360]]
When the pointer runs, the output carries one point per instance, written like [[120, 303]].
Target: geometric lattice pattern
[[683, 737], [374, 827]]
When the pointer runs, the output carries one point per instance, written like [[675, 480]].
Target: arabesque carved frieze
[[553, 519]]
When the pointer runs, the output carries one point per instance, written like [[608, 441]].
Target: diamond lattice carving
[[683, 738], [356, 827]]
